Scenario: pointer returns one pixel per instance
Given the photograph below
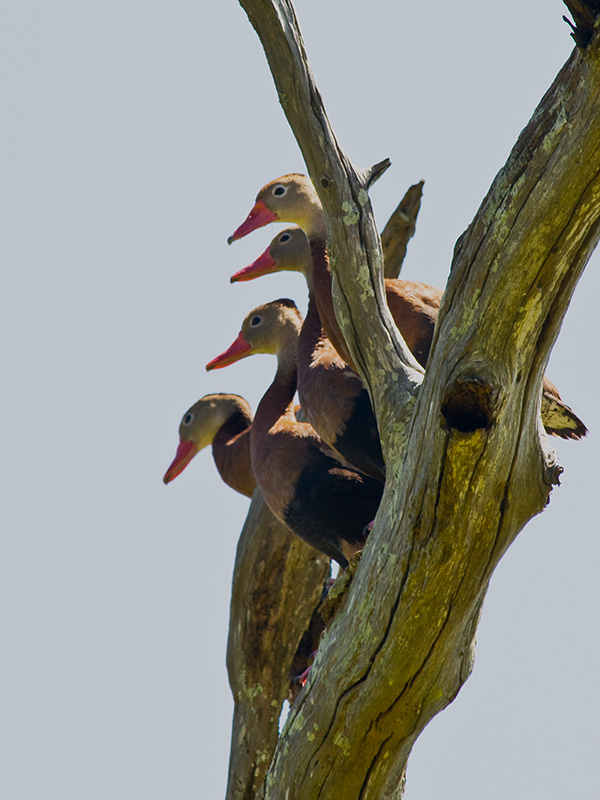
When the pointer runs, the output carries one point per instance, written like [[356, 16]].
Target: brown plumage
[[223, 420], [332, 396], [318, 498], [558, 418], [414, 306]]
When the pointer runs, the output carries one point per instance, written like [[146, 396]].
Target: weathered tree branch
[[399, 230], [585, 13], [466, 460], [277, 584], [384, 361]]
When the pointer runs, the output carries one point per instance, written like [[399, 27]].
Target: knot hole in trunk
[[468, 405]]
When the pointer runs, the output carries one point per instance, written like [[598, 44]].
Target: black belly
[[332, 504], [359, 443]]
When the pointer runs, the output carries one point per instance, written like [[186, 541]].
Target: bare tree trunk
[[467, 460], [277, 583]]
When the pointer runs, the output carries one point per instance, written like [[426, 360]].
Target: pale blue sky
[[134, 139]]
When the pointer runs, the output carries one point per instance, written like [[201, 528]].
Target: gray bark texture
[[467, 459]]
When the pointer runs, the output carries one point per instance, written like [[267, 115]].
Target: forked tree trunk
[[467, 460]]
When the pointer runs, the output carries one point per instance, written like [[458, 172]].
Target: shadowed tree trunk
[[277, 583], [467, 460]]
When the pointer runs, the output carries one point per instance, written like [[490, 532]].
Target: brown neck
[[231, 452], [321, 279], [310, 337], [278, 399]]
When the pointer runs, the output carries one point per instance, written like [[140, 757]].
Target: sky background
[[134, 139]]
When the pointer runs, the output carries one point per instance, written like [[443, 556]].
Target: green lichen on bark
[[351, 214]]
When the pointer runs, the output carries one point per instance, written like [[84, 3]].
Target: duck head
[[199, 426], [266, 329], [291, 198], [289, 251]]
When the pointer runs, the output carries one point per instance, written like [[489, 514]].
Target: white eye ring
[[255, 321], [188, 419], [284, 238], [279, 190]]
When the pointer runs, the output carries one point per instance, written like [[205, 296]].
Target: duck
[[413, 305], [332, 396], [225, 421], [315, 495], [558, 418]]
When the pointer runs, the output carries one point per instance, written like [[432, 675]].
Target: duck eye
[[255, 321], [187, 419], [279, 190], [285, 237]]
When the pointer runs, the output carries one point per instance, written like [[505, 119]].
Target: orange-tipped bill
[[185, 452], [257, 218], [262, 266], [239, 349]]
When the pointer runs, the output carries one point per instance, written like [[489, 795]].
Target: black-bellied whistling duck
[[310, 492], [558, 418], [414, 306], [225, 421], [332, 395]]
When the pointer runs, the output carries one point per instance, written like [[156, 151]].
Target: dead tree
[[467, 460]]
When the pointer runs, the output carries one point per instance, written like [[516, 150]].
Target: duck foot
[[303, 677]]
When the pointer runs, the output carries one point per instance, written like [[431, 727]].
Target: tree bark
[[277, 583], [467, 460], [399, 230]]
